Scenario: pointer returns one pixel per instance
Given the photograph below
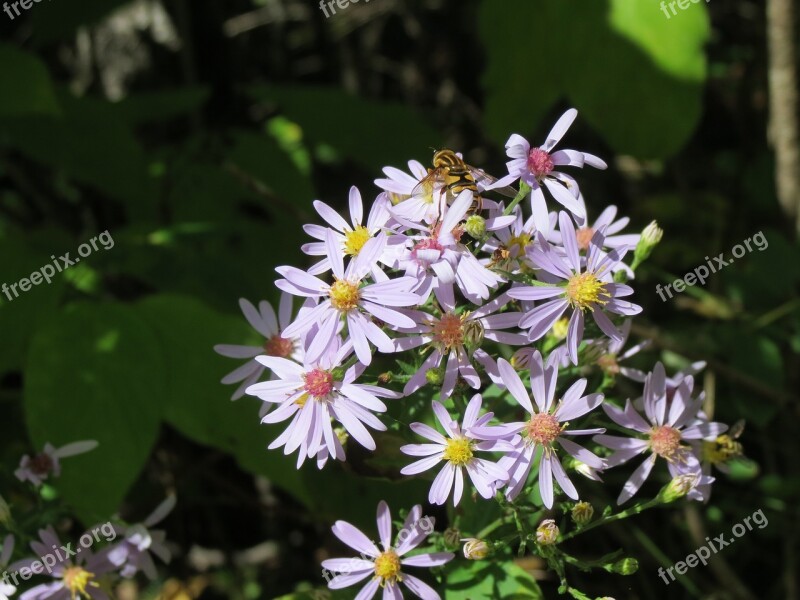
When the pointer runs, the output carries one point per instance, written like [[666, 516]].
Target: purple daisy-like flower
[[422, 205], [132, 553], [312, 395], [456, 336], [349, 297], [351, 237], [545, 427], [509, 245], [386, 565], [457, 452], [38, 468], [265, 322], [590, 288], [610, 354], [74, 578], [666, 424], [536, 167]]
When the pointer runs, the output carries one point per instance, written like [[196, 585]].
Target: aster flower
[[456, 337], [385, 565], [411, 202], [457, 452], [72, 578], [350, 298], [508, 247], [132, 553], [545, 427], [6, 589], [665, 425], [536, 167], [437, 259], [610, 354], [38, 468], [590, 288], [264, 321], [314, 393], [350, 237]]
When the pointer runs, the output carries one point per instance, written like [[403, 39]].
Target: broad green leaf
[[198, 404], [26, 85], [95, 372], [482, 579]]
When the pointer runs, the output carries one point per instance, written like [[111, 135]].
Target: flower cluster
[[433, 290]]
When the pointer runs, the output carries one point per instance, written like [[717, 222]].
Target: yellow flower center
[[354, 240], [387, 567], [521, 241], [560, 328], [76, 579], [584, 290], [543, 429], [458, 451], [665, 441], [449, 331], [344, 295]]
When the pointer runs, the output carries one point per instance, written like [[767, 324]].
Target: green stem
[[633, 510], [523, 191]]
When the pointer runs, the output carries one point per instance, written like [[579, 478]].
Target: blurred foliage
[[198, 137]]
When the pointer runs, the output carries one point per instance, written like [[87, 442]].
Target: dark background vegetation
[[198, 133]]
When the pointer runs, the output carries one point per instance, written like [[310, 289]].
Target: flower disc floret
[[665, 441], [449, 331], [344, 295], [584, 236], [458, 451], [540, 163], [278, 346], [318, 384], [585, 289], [543, 429], [76, 579], [387, 567], [355, 239]]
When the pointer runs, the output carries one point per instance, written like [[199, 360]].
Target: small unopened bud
[[651, 236], [521, 359], [5, 512], [626, 566], [473, 334], [452, 537], [434, 376], [547, 532], [475, 549], [559, 330], [475, 226], [385, 377], [582, 513], [678, 487]]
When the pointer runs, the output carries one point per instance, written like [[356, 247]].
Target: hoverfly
[[453, 176], [725, 448]]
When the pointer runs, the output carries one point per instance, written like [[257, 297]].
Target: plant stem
[[523, 191], [633, 510]]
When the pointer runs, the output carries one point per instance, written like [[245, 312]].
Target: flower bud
[[521, 359], [473, 334], [582, 513], [559, 330], [651, 236], [626, 566], [385, 378], [547, 532], [678, 487], [475, 226], [452, 537], [434, 376], [342, 434], [475, 549]]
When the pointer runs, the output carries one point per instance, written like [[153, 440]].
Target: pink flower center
[[449, 331], [41, 464], [318, 383], [665, 441], [584, 235], [278, 346], [430, 243], [540, 163], [608, 362], [543, 429]]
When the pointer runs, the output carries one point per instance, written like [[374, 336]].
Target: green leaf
[[198, 405], [26, 85], [636, 79], [95, 373], [478, 579], [373, 134]]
